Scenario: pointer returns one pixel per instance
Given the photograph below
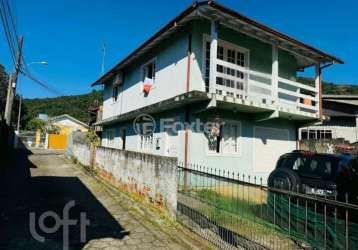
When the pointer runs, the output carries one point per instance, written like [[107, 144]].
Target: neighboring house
[[213, 64], [341, 120], [68, 124]]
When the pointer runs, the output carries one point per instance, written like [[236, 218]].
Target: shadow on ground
[[21, 194]]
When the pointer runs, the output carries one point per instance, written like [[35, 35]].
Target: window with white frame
[[231, 81], [227, 142], [148, 71], [316, 134]]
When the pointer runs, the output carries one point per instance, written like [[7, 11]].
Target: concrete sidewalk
[[40, 180]]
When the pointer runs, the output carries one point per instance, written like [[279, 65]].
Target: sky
[[69, 34]]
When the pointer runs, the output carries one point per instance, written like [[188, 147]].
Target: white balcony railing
[[240, 82]]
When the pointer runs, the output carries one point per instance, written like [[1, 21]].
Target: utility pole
[[8, 97], [12, 84], [19, 115]]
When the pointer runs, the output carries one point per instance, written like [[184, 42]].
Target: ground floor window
[[110, 135], [123, 137], [146, 143], [226, 138], [316, 134]]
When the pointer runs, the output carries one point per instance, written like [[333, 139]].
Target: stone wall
[[150, 177]]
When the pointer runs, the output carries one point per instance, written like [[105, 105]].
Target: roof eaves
[[69, 117], [169, 25], [272, 31], [228, 11]]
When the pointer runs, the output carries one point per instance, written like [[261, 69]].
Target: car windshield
[[316, 166]]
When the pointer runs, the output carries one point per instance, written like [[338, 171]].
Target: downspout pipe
[[186, 118]]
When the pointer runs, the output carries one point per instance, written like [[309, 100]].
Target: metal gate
[[57, 141]]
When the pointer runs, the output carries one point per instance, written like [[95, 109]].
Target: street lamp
[[42, 62]]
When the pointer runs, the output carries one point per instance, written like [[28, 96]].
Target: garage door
[[57, 141], [269, 144]]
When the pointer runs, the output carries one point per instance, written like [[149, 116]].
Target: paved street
[[41, 181]]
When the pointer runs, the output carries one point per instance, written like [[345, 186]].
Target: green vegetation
[[294, 218], [75, 106], [330, 88]]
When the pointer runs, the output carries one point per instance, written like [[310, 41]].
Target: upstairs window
[[117, 82], [148, 72], [115, 92]]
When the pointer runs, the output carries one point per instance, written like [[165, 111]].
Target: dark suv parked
[[326, 175]]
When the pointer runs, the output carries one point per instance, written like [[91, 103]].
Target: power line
[[11, 34], [9, 18], [7, 32], [42, 83], [12, 20]]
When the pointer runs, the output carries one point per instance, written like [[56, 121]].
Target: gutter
[[186, 133], [321, 88]]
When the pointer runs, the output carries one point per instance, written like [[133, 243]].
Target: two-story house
[[213, 65]]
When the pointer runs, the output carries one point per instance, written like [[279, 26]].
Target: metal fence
[[237, 211]]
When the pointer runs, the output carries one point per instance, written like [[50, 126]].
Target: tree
[[4, 78], [36, 124]]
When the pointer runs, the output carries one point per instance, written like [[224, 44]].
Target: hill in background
[[74, 105], [330, 88]]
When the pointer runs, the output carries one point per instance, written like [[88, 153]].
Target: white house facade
[[211, 65], [341, 120]]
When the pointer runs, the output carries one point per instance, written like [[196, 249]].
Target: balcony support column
[[318, 87], [274, 78], [213, 55]]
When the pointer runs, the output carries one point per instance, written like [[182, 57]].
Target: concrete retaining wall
[[152, 178], [82, 153]]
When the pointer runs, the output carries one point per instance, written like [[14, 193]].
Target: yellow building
[[68, 124]]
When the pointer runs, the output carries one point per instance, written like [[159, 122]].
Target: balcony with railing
[[228, 77]]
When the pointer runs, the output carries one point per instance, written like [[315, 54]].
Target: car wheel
[[283, 178]]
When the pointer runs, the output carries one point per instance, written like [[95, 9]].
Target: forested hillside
[[332, 88], [75, 105]]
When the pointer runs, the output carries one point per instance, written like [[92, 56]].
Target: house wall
[[170, 144], [345, 128], [260, 52], [247, 161], [252, 147], [171, 68], [67, 126], [170, 80]]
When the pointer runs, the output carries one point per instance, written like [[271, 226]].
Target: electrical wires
[[12, 38], [10, 31]]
